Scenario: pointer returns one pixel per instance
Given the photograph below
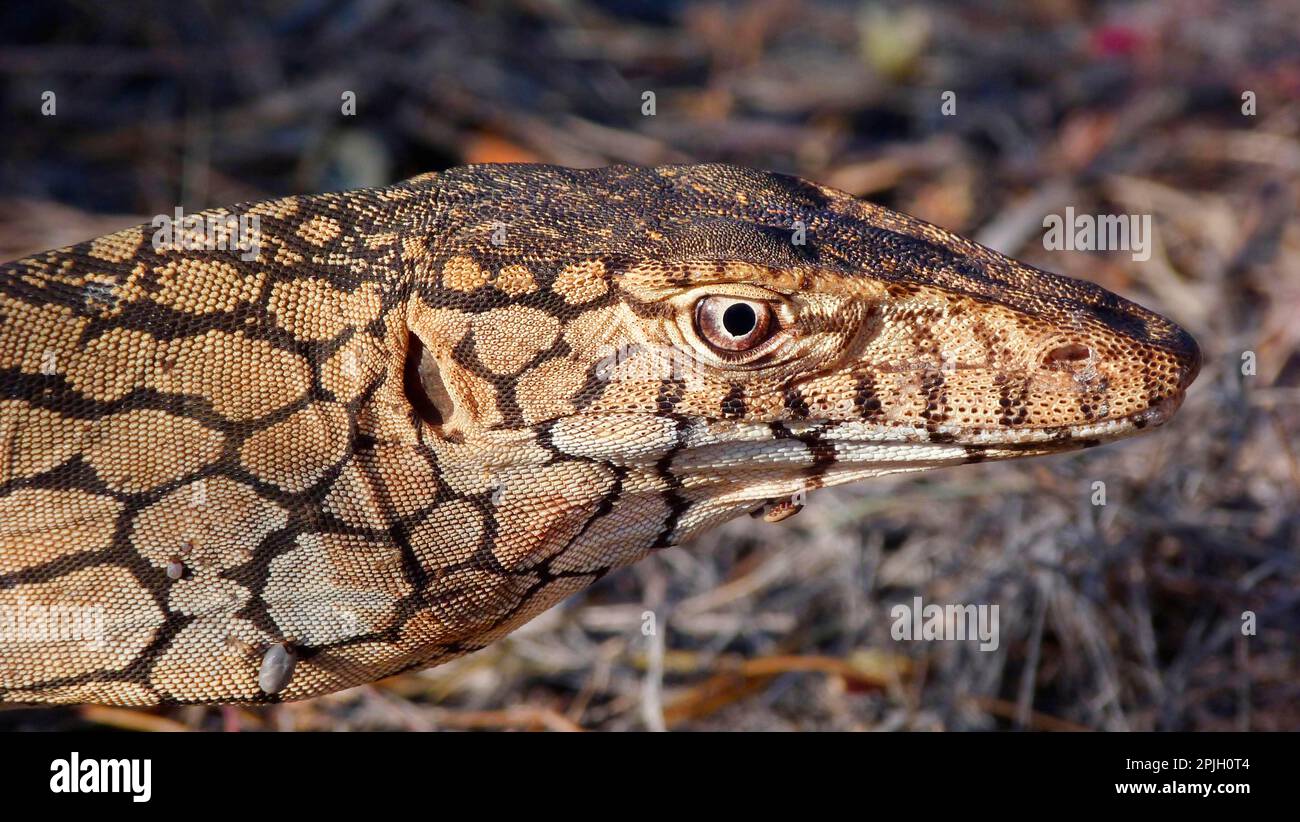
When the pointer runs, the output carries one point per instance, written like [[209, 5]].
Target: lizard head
[[729, 336], [433, 410]]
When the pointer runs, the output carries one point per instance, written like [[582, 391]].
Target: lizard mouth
[[846, 450], [853, 447], [1159, 413], [1081, 435]]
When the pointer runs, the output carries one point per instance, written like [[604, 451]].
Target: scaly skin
[[424, 414]]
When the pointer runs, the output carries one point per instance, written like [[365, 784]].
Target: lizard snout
[[1189, 358]]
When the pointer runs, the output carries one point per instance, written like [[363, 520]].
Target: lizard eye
[[733, 324]]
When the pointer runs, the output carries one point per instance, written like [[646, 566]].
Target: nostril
[[1070, 352]]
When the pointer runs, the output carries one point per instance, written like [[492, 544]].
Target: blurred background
[[1127, 615]]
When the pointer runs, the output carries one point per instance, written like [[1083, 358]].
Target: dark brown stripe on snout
[[1013, 397], [936, 404], [733, 405], [865, 399], [795, 403]]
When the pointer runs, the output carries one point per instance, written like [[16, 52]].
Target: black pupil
[[739, 319]]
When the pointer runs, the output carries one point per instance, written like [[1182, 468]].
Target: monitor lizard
[[347, 435]]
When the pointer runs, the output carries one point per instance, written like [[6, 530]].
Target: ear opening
[[423, 385]]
